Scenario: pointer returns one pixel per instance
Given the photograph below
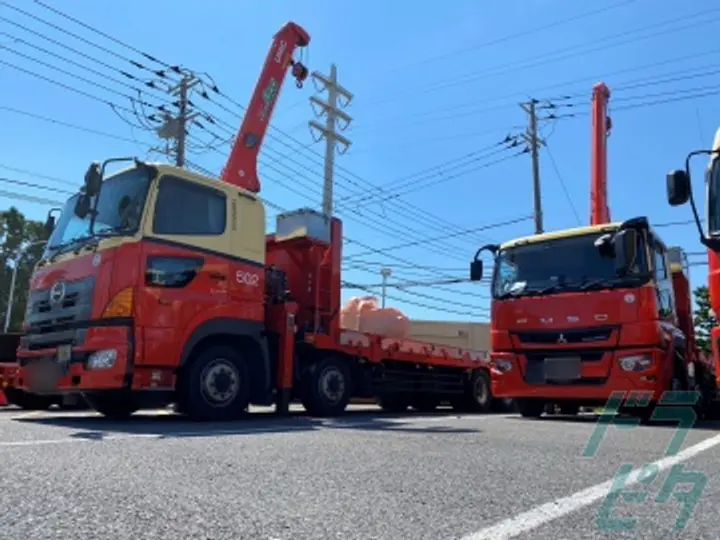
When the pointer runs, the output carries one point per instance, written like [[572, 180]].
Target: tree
[[704, 319], [17, 235]]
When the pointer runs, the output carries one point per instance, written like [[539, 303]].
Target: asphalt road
[[365, 476]]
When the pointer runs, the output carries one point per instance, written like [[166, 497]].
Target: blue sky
[[432, 84]]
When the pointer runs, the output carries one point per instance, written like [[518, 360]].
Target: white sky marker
[[545, 513]]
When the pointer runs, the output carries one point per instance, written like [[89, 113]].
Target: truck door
[[663, 283], [185, 264]]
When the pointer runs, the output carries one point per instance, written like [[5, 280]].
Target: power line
[[512, 37], [570, 52], [563, 185]]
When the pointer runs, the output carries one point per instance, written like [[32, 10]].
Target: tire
[[112, 406], [327, 387], [425, 403], [569, 410], [478, 396], [393, 403], [502, 405], [530, 408], [29, 402], [215, 385]]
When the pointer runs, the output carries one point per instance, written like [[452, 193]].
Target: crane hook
[[300, 72]]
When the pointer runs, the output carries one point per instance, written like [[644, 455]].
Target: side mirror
[[49, 225], [625, 247], [678, 187], [605, 246], [93, 179], [476, 270], [82, 206]]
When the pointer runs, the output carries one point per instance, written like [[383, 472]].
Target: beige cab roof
[[566, 233], [165, 168]]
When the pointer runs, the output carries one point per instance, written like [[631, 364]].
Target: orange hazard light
[[121, 305]]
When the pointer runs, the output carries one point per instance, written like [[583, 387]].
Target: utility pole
[[385, 273], [175, 128], [534, 142], [329, 131]]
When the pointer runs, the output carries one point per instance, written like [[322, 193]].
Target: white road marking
[[540, 515], [294, 424]]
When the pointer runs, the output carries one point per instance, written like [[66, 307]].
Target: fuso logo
[[247, 278]]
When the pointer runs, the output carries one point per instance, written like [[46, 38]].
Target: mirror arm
[[492, 248]]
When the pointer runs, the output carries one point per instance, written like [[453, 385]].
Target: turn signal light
[[121, 305]]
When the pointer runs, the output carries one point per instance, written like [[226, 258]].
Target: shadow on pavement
[[175, 426]]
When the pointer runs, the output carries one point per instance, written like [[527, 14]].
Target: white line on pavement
[[540, 515]]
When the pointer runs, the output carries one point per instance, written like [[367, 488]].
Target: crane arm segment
[[241, 166], [599, 208]]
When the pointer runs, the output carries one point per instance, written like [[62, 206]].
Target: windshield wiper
[[606, 282], [66, 246]]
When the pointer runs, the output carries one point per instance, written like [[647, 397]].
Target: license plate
[[64, 353], [44, 377], [563, 368]]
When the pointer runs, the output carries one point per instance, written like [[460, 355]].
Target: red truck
[[161, 286], [679, 192], [581, 313]]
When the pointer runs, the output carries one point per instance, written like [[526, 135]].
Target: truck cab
[[581, 313], [679, 192], [142, 265]]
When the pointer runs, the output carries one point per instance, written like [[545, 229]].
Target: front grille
[[570, 336], [50, 322]]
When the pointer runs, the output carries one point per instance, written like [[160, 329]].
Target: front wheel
[[112, 406], [327, 387], [29, 402], [215, 386], [530, 408]]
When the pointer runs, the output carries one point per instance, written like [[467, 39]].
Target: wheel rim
[[219, 382], [332, 385], [481, 391]]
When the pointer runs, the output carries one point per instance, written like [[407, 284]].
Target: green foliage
[[704, 320], [16, 234]]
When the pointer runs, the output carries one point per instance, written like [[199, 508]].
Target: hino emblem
[[561, 338], [57, 292]]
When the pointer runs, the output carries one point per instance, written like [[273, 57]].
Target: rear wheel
[[392, 403], [327, 387], [215, 386], [425, 403], [569, 409], [530, 408], [477, 396]]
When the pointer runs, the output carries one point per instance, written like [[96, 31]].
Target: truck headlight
[[636, 362], [102, 359], [503, 365]]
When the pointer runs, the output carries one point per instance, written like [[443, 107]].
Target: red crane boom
[[241, 166], [601, 125]]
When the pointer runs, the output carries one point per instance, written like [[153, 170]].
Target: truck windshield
[[562, 265], [120, 207]]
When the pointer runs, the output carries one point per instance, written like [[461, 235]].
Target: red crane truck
[[160, 286], [581, 313], [679, 192]]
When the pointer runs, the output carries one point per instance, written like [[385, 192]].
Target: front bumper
[[69, 368], [608, 378]]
